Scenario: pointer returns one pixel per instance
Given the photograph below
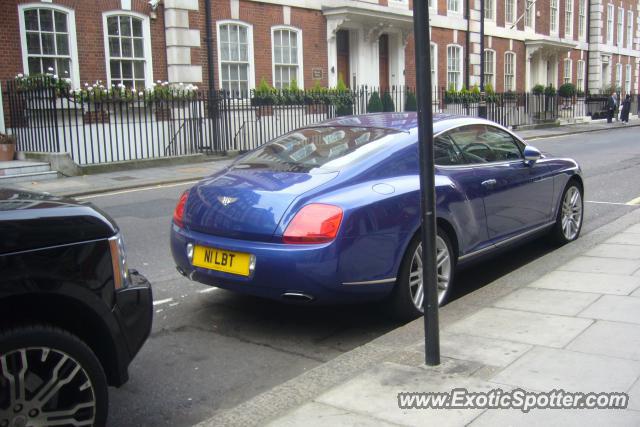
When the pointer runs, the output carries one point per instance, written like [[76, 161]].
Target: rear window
[[328, 147]]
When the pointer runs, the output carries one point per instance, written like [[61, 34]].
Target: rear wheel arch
[[69, 315]]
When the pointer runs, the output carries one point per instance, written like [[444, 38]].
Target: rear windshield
[[327, 147]]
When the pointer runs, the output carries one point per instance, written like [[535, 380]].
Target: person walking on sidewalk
[[626, 107], [612, 104]]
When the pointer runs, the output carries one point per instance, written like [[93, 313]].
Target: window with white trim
[[431, 5], [568, 18], [287, 57], [529, 14], [567, 70], [618, 76], [627, 79], [509, 11], [48, 45], [489, 9], [580, 76], [553, 24], [620, 27], [490, 68], [509, 71], [582, 18], [453, 6], [128, 50], [629, 29], [236, 57], [434, 66], [454, 67], [610, 24]]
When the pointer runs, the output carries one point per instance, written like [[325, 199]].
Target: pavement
[[170, 174], [574, 327]]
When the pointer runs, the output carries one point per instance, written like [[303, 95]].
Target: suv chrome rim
[[41, 386], [571, 213], [443, 262]]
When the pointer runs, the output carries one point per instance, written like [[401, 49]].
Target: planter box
[[163, 114], [97, 116], [264, 110], [8, 151]]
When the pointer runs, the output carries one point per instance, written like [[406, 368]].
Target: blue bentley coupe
[[330, 213]]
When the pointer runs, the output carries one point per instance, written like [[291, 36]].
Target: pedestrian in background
[[626, 107], [612, 104]]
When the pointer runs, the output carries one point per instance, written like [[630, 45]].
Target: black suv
[[72, 315]]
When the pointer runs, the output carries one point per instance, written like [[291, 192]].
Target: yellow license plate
[[221, 260]]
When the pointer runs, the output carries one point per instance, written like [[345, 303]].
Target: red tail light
[[316, 223], [178, 214]]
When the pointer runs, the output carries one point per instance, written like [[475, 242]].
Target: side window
[[485, 144], [445, 152]]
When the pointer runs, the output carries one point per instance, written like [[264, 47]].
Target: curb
[[553, 135], [131, 186], [402, 345]]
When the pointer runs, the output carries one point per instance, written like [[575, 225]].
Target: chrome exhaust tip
[[297, 297]]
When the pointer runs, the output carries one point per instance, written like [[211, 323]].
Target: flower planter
[[96, 116], [7, 147], [163, 114], [264, 110]]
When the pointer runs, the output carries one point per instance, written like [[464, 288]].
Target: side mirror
[[531, 154]]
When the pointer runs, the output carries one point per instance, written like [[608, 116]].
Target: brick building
[[591, 43]]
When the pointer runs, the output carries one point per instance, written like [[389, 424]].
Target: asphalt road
[[211, 349]]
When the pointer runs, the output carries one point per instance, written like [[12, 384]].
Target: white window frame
[[513, 74], [460, 65], [580, 76], [457, 3], [251, 73], [620, 27], [434, 69], [554, 15], [491, 8], [146, 45], [627, 79], [567, 70], [71, 31], [582, 19], [530, 15], [629, 29], [568, 18], [300, 74], [492, 81], [513, 12], [619, 76], [610, 13]]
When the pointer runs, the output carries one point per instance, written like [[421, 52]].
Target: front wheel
[[49, 377], [570, 214], [408, 295]]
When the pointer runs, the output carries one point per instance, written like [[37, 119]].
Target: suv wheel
[[49, 377]]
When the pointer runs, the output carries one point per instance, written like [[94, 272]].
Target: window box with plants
[[264, 98]]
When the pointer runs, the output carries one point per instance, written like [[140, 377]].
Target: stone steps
[[23, 171]]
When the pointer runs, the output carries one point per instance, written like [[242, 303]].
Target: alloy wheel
[[42, 386], [571, 213], [443, 262]]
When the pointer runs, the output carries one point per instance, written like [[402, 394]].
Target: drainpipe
[[212, 98], [586, 65], [468, 56]]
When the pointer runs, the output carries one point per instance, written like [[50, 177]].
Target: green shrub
[[410, 102], [538, 90], [387, 103], [488, 89], [375, 104], [567, 90], [264, 94], [550, 90]]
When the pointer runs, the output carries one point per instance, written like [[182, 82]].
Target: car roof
[[405, 122]]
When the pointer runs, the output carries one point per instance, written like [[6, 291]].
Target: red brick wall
[[89, 34]]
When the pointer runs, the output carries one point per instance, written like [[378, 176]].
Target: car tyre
[[407, 294], [570, 214], [55, 367]]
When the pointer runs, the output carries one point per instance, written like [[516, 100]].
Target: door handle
[[489, 183]]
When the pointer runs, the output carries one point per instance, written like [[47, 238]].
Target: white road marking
[[204, 291], [634, 202], [173, 304], [609, 203], [160, 311], [162, 301], [133, 190]]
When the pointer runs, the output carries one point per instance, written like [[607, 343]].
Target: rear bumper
[[314, 270]]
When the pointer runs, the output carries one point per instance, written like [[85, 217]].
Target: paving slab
[[634, 397], [316, 414], [546, 369], [625, 239], [636, 293], [558, 417], [613, 250], [524, 327], [549, 301], [614, 339], [615, 308], [588, 264], [375, 393], [588, 282], [488, 351], [633, 229]]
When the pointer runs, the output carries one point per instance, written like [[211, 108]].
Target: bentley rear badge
[[226, 200]]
